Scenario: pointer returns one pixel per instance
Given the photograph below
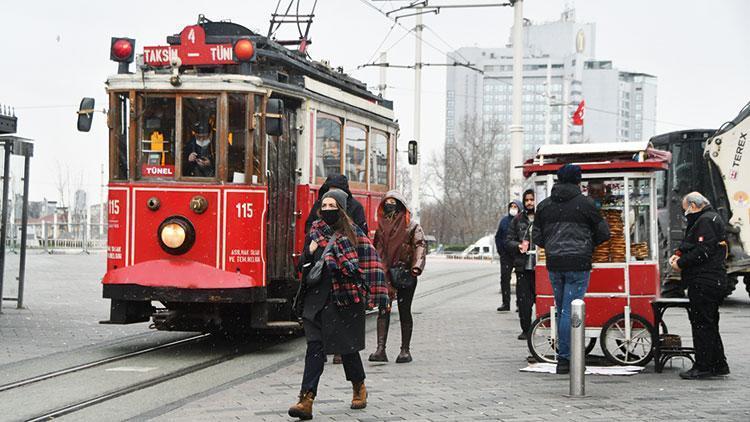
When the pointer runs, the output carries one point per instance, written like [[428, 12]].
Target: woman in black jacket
[[333, 307]]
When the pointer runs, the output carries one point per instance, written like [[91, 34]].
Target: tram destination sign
[[192, 51]]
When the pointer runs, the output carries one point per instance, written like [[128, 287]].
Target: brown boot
[[303, 408], [359, 398], [384, 321], [405, 355]]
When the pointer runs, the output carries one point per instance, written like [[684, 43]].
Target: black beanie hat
[[569, 173]]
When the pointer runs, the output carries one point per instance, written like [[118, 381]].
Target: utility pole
[[383, 83], [101, 203], [516, 128], [565, 112], [548, 111], [416, 175]]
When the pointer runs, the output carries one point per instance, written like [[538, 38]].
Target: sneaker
[[563, 366], [695, 374], [503, 308], [522, 336]]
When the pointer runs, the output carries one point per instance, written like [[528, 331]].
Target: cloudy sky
[[55, 52]]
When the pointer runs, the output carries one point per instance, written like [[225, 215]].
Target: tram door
[[282, 181]]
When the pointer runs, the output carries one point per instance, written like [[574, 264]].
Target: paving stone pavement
[[62, 306], [466, 368]]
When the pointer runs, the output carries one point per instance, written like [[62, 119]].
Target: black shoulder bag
[[315, 275]]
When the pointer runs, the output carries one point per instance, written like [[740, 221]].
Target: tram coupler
[[129, 311], [577, 348]]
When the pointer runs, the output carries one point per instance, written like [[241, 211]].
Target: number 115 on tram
[[218, 145]]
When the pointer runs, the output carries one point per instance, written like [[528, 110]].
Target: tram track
[[109, 394], [60, 372]]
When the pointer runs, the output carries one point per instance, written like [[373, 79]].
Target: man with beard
[[519, 243]]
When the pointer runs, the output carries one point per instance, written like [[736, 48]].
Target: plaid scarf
[[357, 273]]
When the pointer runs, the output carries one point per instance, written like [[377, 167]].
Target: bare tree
[[469, 184]]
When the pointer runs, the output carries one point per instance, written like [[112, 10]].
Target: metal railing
[[52, 237]]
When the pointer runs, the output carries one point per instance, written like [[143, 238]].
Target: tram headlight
[[122, 50], [176, 235]]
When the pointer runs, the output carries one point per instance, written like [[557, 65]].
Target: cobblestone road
[[466, 368]]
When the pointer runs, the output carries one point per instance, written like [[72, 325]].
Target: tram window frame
[[355, 183], [119, 130], [240, 149], [374, 185], [320, 179], [142, 97], [256, 159], [218, 128]]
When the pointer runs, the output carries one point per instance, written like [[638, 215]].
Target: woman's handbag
[[315, 275], [401, 277]]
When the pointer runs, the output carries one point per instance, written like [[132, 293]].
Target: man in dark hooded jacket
[[506, 259], [568, 227], [354, 209]]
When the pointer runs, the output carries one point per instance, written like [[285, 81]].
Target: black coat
[[354, 209], [568, 227], [703, 250], [520, 229], [342, 328]]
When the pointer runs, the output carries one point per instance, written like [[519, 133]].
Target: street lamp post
[[516, 128]]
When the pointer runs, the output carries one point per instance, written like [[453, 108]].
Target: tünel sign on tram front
[[192, 50], [157, 171]]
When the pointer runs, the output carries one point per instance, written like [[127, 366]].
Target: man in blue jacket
[[506, 259]]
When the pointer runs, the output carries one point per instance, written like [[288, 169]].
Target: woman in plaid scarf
[[333, 310]]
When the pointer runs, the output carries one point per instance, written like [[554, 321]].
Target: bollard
[[577, 348]]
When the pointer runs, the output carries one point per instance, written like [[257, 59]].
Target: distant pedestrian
[[401, 244], [506, 257], [702, 260], [333, 304], [568, 227], [520, 243]]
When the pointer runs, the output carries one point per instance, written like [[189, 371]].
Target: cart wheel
[[618, 350], [540, 342]]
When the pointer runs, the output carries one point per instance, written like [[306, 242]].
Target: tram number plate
[[244, 210]]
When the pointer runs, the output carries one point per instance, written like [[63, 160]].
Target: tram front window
[[237, 137], [157, 136], [199, 137], [355, 140], [378, 158]]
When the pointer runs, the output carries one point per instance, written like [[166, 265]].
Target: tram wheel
[[637, 350], [540, 342]]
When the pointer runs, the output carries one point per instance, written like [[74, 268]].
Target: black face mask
[[330, 216], [390, 208]]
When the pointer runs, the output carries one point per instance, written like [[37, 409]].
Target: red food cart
[[621, 179]]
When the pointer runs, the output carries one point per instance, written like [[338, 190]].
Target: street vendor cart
[[621, 180]]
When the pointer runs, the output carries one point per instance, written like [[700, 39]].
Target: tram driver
[[200, 151]]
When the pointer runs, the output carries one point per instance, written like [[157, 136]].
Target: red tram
[[219, 142]]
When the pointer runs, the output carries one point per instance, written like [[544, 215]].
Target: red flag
[[578, 115]]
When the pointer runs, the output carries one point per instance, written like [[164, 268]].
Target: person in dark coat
[[521, 248], [199, 152], [333, 308], [355, 210], [701, 258], [506, 258], [400, 243], [568, 226]]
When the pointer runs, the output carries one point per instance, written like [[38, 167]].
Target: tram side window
[[199, 137], [258, 139], [355, 147], [327, 146], [378, 158], [237, 137], [156, 136], [119, 144]]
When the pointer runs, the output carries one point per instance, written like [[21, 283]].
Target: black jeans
[[704, 320], [315, 361], [525, 297], [506, 267]]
